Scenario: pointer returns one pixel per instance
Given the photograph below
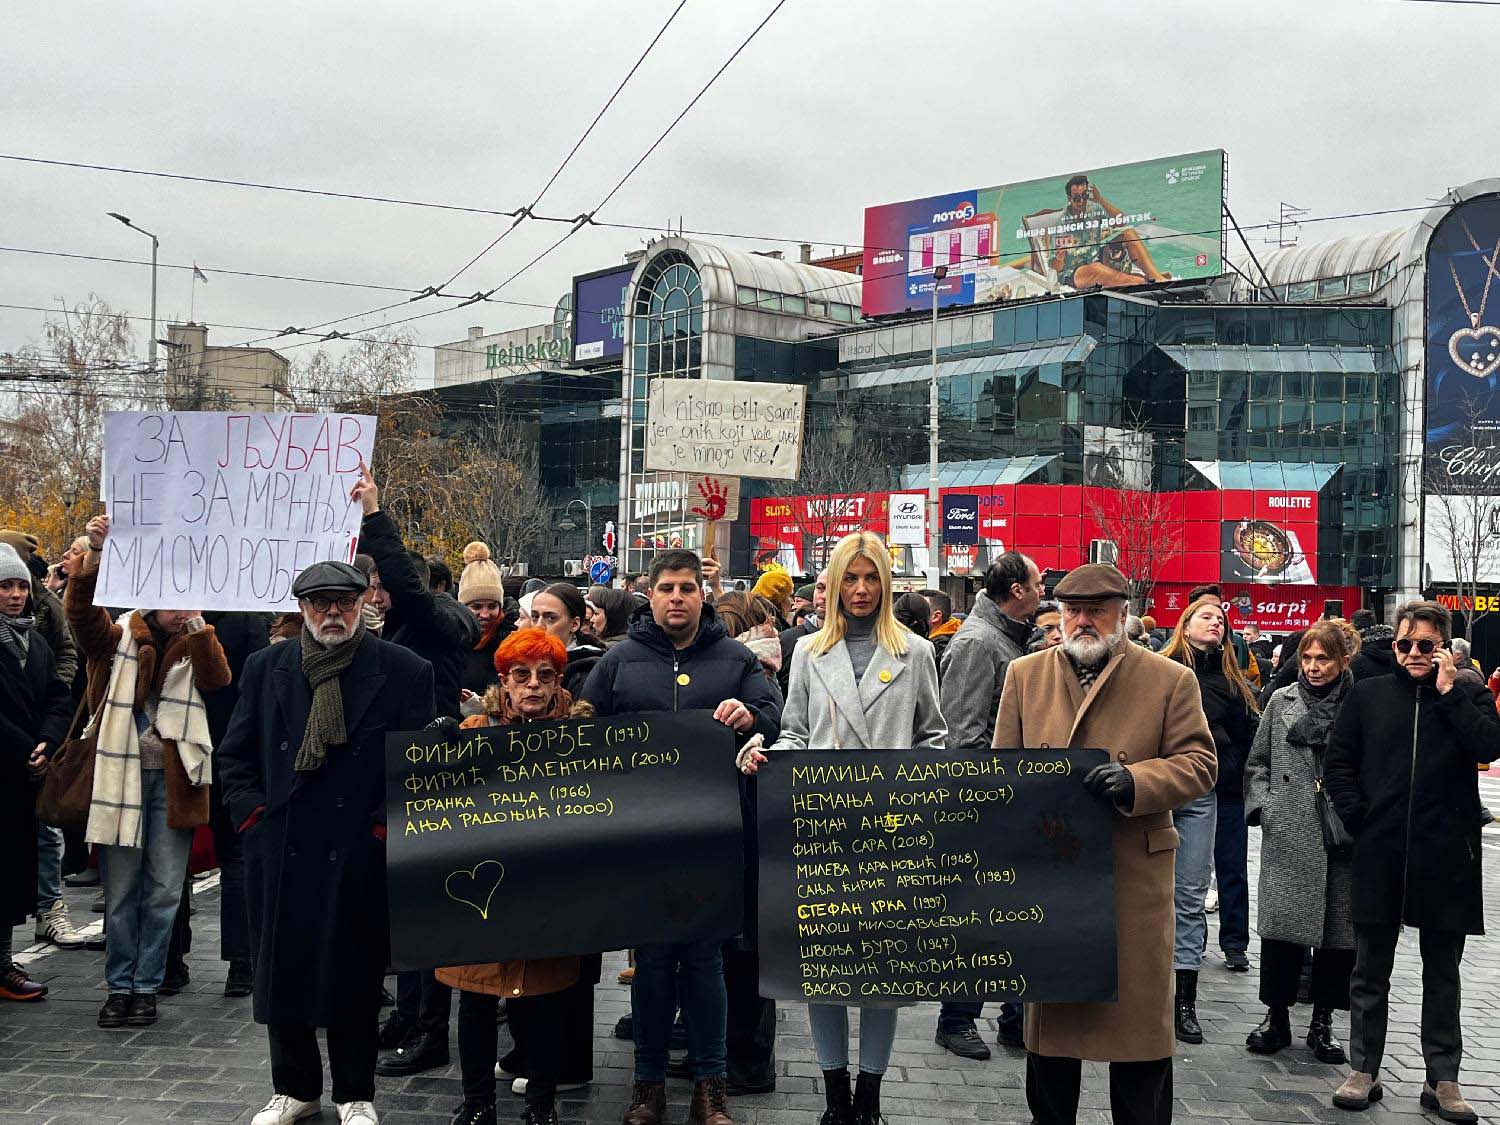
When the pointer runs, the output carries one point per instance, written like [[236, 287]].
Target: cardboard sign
[[713, 498], [948, 875], [222, 511], [548, 839], [723, 427]]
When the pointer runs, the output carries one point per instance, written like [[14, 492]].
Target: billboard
[[599, 314], [1113, 227], [1114, 457], [1463, 350]]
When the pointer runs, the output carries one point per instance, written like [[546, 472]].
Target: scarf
[[322, 665], [15, 634], [1311, 731], [1087, 673], [115, 810]]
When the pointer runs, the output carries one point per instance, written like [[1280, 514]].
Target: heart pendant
[[1476, 350], [476, 886]]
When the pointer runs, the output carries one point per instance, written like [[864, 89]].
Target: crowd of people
[[1351, 747]]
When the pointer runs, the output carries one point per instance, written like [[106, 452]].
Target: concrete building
[[200, 376]]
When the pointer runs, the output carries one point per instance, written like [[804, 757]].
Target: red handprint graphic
[[715, 500]]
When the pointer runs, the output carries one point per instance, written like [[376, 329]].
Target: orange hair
[[528, 645]]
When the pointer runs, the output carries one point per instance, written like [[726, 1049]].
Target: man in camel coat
[[1096, 690]]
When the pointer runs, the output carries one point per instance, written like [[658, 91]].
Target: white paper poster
[[218, 511], [725, 428]]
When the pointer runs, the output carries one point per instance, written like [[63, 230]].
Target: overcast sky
[[1335, 105]]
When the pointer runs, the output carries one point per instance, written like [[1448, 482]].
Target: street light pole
[[934, 516], [588, 523], [155, 245]]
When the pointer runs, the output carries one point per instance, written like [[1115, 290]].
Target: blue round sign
[[601, 572]]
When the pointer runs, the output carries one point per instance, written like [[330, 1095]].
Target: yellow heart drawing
[[474, 889]]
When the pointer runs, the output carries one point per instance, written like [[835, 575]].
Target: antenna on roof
[[1286, 226]]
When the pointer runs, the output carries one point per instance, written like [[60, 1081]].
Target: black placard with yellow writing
[[920, 875], [548, 839]]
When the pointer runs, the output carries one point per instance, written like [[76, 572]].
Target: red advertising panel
[[1275, 609], [1261, 538]]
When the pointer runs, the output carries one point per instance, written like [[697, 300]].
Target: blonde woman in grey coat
[[1305, 895], [862, 681]]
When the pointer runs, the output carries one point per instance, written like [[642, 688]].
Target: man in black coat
[[808, 626], [1400, 771], [443, 633], [302, 767], [677, 656]]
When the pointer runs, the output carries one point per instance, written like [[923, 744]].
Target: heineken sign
[[536, 350]]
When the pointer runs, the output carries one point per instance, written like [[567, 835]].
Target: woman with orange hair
[[530, 663]]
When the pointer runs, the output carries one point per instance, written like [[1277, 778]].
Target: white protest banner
[[725, 428], [222, 511], [908, 516]]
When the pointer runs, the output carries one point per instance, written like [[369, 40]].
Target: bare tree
[[841, 461], [1143, 524], [494, 489], [63, 386]]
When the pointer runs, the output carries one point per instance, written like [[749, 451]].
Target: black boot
[[1186, 1016], [474, 1113], [1273, 1034], [1320, 1038], [840, 1109], [539, 1113], [867, 1100]]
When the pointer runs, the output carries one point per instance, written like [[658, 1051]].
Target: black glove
[[1113, 782], [447, 725], [1252, 818]]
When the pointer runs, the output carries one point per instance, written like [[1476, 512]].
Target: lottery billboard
[[1114, 227]]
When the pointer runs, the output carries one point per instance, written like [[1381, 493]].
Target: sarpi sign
[[532, 351]]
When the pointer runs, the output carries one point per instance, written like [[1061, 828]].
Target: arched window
[[668, 318]]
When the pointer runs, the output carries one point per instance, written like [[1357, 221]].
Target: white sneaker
[[518, 1087], [1211, 903], [358, 1113], [54, 925], [283, 1109]]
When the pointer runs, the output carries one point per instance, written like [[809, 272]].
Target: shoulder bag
[[68, 788]]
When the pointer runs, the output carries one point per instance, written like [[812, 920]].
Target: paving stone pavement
[[207, 1061]]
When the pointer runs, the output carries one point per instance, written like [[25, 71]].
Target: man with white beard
[[1098, 691], [302, 768]]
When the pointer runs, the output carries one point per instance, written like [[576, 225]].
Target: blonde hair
[[889, 633], [1179, 649]]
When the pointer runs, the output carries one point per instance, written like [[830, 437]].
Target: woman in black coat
[[35, 706]]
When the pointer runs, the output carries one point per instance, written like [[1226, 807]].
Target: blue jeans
[[830, 1036], [1195, 823], [142, 890], [690, 974], [49, 854], [1231, 857]]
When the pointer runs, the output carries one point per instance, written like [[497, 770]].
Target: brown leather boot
[[1449, 1102], [710, 1103], [1357, 1092], [648, 1104]]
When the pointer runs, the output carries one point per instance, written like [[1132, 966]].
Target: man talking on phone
[[1400, 772]]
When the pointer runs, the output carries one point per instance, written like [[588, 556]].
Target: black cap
[[333, 577]]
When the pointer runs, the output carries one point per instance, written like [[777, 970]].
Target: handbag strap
[[77, 714]]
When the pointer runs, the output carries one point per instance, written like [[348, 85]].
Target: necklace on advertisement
[[1476, 349]]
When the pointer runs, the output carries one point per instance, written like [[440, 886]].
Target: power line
[[526, 212]]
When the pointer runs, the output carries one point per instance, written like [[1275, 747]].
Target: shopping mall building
[[1287, 429]]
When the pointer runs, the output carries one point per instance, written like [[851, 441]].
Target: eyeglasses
[[322, 603], [544, 675], [1424, 646]]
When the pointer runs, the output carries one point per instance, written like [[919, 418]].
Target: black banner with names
[[913, 875]]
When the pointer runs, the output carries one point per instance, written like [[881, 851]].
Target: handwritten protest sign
[[722, 427], [949, 875], [547, 839], [221, 511]]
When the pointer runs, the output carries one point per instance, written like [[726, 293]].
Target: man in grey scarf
[[302, 768]]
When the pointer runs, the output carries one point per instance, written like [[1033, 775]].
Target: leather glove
[[1113, 782], [447, 725]]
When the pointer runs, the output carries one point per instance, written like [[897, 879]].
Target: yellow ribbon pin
[[684, 679], [885, 675]]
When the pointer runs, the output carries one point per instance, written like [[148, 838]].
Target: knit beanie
[[480, 580], [774, 584], [23, 543], [11, 565]]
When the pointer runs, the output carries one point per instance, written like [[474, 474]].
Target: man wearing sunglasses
[[1400, 772], [302, 767]]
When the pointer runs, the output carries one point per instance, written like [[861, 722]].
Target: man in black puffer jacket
[[1400, 771], [677, 656], [442, 632], [1376, 657]]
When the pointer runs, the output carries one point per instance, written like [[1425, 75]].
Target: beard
[[1090, 648], [328, 633]]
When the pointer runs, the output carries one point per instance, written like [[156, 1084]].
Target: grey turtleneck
[[859, 640]]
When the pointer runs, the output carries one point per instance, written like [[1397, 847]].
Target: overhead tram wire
[[531, 207], [587, 217]]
